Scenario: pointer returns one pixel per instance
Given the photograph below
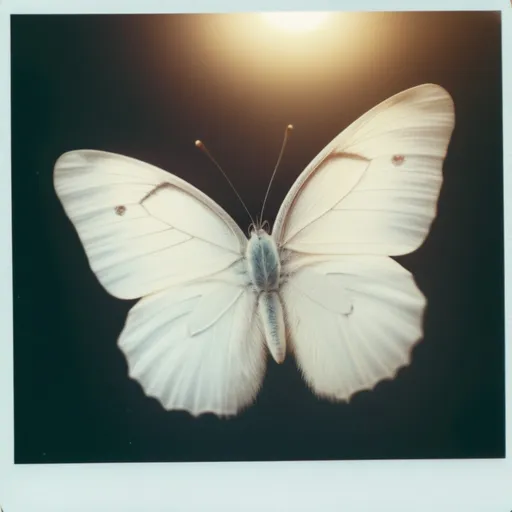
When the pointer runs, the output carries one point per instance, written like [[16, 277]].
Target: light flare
[[296, 21]]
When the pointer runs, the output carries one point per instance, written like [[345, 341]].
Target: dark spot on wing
[[120, 210], [398, 160]]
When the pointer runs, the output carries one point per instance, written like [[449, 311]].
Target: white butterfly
[[322, 285]]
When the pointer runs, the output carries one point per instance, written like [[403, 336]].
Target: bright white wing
[[355, 326], [197, 347], [374, 188], [143, 229], [353, 313]]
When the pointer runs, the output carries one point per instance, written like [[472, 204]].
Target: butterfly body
[[264, 268], [213, 303]]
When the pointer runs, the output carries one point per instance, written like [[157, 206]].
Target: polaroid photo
[[255, 259]]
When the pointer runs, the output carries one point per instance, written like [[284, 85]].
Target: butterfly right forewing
[[374, 188]]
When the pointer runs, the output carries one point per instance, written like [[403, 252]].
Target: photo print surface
[[148, 87]]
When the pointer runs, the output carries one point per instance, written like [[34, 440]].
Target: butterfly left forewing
[[143, 229]]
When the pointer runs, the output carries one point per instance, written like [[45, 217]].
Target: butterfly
[[321, 285]]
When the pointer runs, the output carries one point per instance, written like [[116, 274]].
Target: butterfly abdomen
[[264, 270], [270, 311]]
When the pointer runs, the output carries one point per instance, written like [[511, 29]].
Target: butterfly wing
[[143, 229], [374, 188], [353, 321], [370, 194], [197, 347], [192, 341]]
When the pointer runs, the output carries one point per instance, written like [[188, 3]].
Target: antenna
[[287, 131], [203, 148]]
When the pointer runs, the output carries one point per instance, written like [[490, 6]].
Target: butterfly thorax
[[263, 261], [264, 270]]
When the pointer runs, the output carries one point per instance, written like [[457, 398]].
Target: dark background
[[147, 87]]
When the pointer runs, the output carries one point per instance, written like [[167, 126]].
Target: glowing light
[[296, 21]]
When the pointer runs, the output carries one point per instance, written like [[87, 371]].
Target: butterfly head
[[259, 228]]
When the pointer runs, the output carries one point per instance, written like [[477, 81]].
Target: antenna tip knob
[[289, 128], [199, 144]]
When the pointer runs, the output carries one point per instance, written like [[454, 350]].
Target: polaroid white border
[[418, 486]]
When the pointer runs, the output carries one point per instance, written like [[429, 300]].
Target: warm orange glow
[[296, 21], [256, 55]]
